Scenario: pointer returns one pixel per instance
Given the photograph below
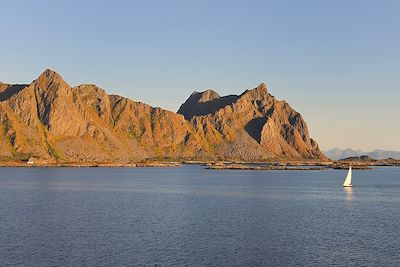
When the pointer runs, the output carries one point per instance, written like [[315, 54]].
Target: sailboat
[[347, 181]]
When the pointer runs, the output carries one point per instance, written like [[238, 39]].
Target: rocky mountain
[[250, 126], [50, 120], [338, 153]]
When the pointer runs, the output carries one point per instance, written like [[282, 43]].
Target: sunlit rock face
[[51, 120], [250, 126]]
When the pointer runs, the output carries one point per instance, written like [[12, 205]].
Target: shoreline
[[212, 165]]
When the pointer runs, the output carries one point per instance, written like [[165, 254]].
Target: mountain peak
[[208, 95], [202, 103], [260, 91], [50, 74], [49, 77], [263, 85]]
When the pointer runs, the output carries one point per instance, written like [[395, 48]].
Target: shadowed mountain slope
[[8, 90]]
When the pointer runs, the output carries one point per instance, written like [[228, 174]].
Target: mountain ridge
[[50, 120], [337, 153]]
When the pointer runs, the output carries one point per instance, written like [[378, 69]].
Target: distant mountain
[[384, 154], [338, 153], [50, 120]]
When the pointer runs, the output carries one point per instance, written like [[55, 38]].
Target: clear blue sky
[[336, 62]]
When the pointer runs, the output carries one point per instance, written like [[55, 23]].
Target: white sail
[[347, 181]]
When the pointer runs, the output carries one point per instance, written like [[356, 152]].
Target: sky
[[336, 62]]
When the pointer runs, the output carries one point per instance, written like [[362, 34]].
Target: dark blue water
[[192, 216]]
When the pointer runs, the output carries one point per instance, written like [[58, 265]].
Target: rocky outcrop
[[52, 121]]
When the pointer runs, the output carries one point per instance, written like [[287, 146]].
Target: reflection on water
[[349, 193]]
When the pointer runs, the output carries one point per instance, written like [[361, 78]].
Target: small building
[[31, 160]]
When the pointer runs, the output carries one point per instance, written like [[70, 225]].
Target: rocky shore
[[262, 167], [357, 163], [91, 164]]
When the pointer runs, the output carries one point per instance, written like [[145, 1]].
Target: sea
[[191, 216]]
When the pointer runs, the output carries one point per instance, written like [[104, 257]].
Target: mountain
[[338, 153], [250, 126], [50, 120], [384, 154]]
